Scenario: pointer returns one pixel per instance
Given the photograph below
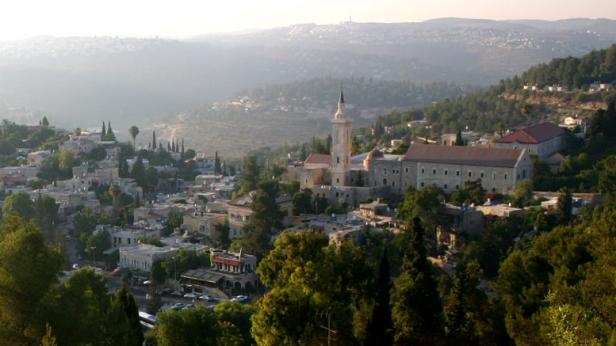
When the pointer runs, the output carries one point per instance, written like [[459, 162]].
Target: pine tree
[[417, 307], [45, 122], [103, 132], [459, 140], [182, 151], [153, 140], [216, 163], [380, 329], [565, 204]]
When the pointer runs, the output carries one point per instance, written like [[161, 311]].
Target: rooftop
[[534, 134], [463, 155], [318, 159]]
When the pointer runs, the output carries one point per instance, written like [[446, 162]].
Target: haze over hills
[[139, 81]]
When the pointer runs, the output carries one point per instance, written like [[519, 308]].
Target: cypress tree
[[417, 307], [153, 140], [103, 132], [380, 329], [459, 140]]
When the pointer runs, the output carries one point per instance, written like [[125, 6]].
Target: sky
[[187, 18]]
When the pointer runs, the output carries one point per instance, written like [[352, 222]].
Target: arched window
[[384, 181]]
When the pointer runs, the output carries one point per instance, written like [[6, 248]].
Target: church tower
[[341, 146]]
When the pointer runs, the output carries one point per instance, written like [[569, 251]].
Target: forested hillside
[[506, 105], [295, 112]]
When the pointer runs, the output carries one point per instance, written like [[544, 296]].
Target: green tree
[[217, 169], [78, 310], [45, 122], [266, 218], [426, 204], [416, 305], [302, 202], [194, 327], [134, 131], [380, 328], [523, 194], [565, 205], [138, 173], [459, 141], [249, 175], [28, 268], [125, 313], [238, 315], [18, 204], [154, 140], [103, 131], [471, 192], [464, 306], [221, 235]]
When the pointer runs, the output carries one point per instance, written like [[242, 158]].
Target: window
[[393, 183], [493, 175], [385, 171], [422, 184], [384, 181], [445, 186], [433, 171], [523, 174], [457, 187], [470, 174], [445, 172], [493, 189], [481, 174], [337, 159], [337, 180], [505, 176], [457, 173], [422, 171], [406, 170]]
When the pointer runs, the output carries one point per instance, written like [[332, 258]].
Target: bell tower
[[341, 146]]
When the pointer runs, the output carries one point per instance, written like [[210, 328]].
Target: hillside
[[508, 105], [136, 81], [295, 112]]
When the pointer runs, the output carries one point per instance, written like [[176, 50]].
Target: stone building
[[345, 179], [542, 140]]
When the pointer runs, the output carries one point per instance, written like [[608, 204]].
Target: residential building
[[542, 140]]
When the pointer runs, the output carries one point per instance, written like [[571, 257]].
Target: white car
[[190, 296]]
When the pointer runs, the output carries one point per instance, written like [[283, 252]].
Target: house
[[141, 257], [542, 139], [499, 210], [203, 223], [36, 158], [239, 211], [229, 270]]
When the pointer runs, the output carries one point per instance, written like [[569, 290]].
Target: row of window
[[445, 186], [470, 173]]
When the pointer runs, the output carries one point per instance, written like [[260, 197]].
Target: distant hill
[[128, 80], [296, 111]]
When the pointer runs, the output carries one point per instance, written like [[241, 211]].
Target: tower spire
[[340, 104]]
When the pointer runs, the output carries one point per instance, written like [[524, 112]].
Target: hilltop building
[[543, 140], [346, 179]]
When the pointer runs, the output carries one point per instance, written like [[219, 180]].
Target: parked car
[[176, 294], [178, 306], [240, 298], [205, 297], [190, 296], [75, 266], [166, 291]]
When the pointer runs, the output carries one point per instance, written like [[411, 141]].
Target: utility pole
[[330, 331]]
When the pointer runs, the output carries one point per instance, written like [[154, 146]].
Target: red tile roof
[[462, 155], [534, 134], [318, 159]]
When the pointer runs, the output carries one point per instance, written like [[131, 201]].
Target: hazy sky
[[185, 18]]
